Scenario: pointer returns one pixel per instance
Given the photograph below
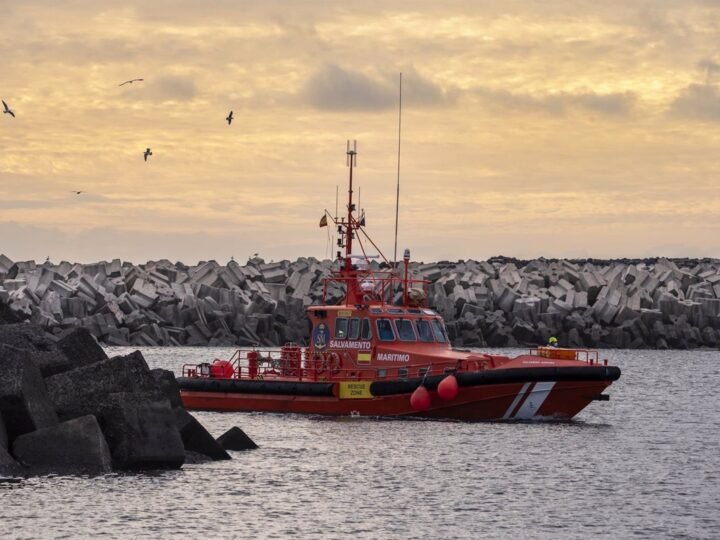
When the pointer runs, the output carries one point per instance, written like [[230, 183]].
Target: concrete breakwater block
[[81, 348], [131, 407], [37, 345], [3, 434], [236, 439], [98, 414], [26, 336], [196, 438], [82, 390], [168, 386], [25, 404], [141, 431], [75, 446], [8, 466]]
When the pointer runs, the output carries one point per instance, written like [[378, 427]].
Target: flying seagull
[[130, 81], [229, 118], [76, 192], [7, 109], [147, 153]]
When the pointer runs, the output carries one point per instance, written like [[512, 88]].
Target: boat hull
[[479, 398]]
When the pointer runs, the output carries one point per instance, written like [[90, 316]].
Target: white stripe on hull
[[517, 399], [534, 401]]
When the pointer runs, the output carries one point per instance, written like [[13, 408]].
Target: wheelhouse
[[375, 329]]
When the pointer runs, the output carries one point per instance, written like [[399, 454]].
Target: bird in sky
[[130, 81], [229, 118], [76, 192], [147, 153], [7, 109]]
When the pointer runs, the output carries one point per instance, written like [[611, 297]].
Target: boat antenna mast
[[397, 193], [349, 225]]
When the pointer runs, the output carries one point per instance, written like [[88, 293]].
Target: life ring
[[315, 361], [332, 363]]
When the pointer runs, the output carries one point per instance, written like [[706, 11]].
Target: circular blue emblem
[[320, 336]]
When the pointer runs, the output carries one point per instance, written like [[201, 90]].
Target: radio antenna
[[397, 194], [337, 193]]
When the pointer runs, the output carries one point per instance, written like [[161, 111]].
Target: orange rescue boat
[[382, 352]]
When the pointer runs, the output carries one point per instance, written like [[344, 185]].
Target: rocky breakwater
[[164, 303], [649, 303], [66, 408]]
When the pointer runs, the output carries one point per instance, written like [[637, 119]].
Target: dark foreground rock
[[40, 346], [77, 446], [168, 385], [236, 439], [27, 337], [7, 315], [81, 348], [196, 438], [141, 432], [3, 434], [84, 389], [8, 466], [24, 402], [90, 414]]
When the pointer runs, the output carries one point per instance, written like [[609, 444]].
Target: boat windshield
[[439, 331], [365, 329], [340, 328], [354, 328], [423, 330], [385, 330], [405, 330]]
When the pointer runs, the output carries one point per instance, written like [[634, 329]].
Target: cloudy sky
[[563, 128]]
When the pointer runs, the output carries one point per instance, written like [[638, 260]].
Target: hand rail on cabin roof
[[388, 284]]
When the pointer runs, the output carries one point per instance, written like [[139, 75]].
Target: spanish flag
[[323, 221]]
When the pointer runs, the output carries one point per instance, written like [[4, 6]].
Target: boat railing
[[294, 363], [381, 287], [589, 356]]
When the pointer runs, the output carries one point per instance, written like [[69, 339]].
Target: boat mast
[[351, 162], [397, 194]]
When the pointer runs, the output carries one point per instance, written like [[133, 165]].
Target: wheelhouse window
[[365, 330], [341, 328], [354, 328], [384, 330], [375, 310], [439, 331], [423, 330], [405, 330], [395, 310]]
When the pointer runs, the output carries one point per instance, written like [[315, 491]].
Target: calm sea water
[[645, 464]]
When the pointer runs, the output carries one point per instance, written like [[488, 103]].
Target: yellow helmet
[[552, 340]]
